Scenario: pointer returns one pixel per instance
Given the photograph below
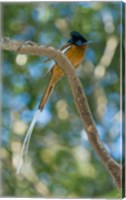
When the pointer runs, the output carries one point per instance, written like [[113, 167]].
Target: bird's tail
[[47, 93], [45, 97]]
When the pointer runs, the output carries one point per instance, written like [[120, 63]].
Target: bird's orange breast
[[75, 54]]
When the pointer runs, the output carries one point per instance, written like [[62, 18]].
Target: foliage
[[63, 163]]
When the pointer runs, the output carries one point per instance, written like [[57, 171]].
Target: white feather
[[25, 145], [65, 49]]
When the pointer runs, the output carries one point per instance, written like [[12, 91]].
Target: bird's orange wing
[[65, 47]]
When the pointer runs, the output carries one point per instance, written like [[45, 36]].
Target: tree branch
[[79, 97]]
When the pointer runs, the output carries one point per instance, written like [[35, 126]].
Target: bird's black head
[[77, 39]]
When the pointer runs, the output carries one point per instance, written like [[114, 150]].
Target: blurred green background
[[61, 160]]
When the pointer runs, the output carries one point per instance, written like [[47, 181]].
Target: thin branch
[[79, 97]]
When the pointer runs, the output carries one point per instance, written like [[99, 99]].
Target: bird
[[74, 49]]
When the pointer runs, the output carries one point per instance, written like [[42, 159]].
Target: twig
[[79, 97]]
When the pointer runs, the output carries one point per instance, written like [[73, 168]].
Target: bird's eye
[[79, 43]]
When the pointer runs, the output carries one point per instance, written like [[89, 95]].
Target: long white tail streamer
[[25, 145]]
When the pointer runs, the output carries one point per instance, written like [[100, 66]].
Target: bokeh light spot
[[62, 111], [19, 127], [21, 59]]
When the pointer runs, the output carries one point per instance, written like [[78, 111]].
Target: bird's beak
[[88, 42]]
